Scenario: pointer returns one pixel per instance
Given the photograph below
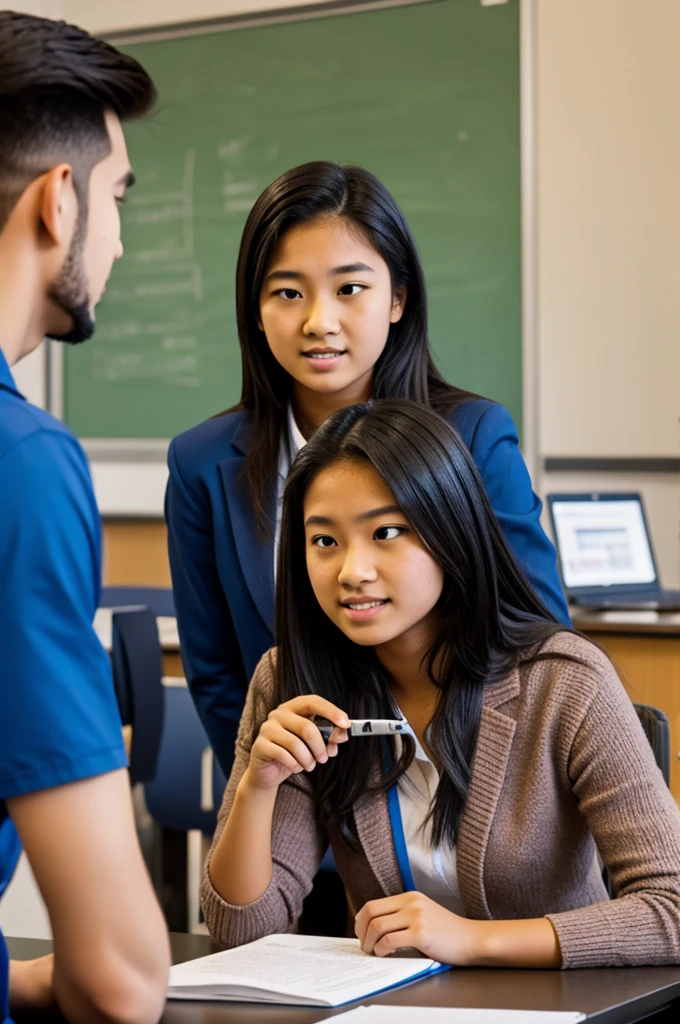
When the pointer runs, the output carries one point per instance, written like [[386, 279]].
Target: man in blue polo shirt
[[64, 791]]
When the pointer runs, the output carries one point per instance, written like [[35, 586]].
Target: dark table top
[[613, 996]]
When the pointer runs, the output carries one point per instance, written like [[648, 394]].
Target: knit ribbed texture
[[561, 758]]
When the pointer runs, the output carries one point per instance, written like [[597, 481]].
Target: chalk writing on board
[[150, 209], [239, 195]]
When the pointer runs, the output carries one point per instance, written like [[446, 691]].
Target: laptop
[[605, 552]]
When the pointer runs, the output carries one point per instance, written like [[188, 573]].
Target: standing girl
[[474, 839], [331, 310]]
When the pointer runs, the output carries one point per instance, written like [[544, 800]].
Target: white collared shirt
[[434, 870], [287, 455]]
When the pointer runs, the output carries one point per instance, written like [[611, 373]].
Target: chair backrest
[[657, 730], [188, 785], [137, 672], [159, 599]]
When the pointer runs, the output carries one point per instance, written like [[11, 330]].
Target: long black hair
[[405, 368], [489, 617]]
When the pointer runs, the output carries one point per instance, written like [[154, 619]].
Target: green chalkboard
[[425, 96]]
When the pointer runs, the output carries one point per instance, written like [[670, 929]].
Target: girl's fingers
[[277, 733], [338, 736], [393, 941], [305, 729], [381, 926], [377, 908], [267, 751], [312, 704]]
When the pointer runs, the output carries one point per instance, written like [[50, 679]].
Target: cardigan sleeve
[[636, 826], [298, 844]]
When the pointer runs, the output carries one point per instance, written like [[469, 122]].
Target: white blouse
[[286, 459], [434, 870]]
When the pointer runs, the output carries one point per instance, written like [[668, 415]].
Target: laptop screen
[[602, 541]]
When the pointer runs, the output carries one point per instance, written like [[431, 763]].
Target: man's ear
[[58, 205], [398, 304]]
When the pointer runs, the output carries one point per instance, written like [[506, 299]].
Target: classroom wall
[[124, 14], [608, 75], [608, 279]]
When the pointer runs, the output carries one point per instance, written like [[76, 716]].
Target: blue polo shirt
[[59, 719]]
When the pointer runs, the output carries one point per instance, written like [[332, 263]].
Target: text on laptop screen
[[602, 543]]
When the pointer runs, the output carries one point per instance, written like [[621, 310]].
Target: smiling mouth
[[361, 606], [324, 353]]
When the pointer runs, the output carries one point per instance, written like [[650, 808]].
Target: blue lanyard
[[399, 839], [397, 826]]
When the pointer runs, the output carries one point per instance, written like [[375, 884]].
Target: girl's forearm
[[241, 865], [529, 943]]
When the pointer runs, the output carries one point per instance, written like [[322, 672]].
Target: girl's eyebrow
[[374, 513], [352, 268], [295, 275]]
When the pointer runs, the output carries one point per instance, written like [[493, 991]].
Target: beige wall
[[41, 8], [609, 226], [124, 14], [608, 132]]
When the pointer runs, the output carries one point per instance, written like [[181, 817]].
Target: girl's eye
[[352, 289], [389, 532], [288, 293], [323, 542]]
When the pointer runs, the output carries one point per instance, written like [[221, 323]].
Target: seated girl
[[474, 838]]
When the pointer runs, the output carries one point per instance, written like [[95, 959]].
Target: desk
[[611, 996], [645, 648]]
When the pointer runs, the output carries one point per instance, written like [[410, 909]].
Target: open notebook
[[299, 970]]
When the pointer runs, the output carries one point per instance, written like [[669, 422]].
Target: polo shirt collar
[[6, 378]]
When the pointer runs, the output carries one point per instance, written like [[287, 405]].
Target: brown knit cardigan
[[561, 764]]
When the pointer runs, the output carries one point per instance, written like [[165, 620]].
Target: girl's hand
[[289, 742], [414, 920]]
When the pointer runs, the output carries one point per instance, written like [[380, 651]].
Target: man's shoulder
[[22, 422]]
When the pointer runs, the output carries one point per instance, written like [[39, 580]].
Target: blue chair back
[[173, 796], [159, 599], [137, 674]]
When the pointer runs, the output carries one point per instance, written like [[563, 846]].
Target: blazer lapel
[[372, 819], [494, 743], [256, 557]]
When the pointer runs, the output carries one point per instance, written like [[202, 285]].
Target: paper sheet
[[437, 1015]]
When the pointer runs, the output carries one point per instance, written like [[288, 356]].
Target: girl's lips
[[323, 361], [365, 614]]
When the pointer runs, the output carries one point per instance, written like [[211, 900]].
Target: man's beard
[[69, 291]]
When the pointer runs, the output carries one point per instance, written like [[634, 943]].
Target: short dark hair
[[56, 83], [490, 619]]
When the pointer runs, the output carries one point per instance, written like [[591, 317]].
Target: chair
[[137, 675], [187, 787], [657, 730], [159, 599]]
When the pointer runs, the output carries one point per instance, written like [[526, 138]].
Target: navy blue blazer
[[223, 575]]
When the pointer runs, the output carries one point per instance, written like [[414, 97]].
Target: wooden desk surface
[[639, 623], [611, 996]]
